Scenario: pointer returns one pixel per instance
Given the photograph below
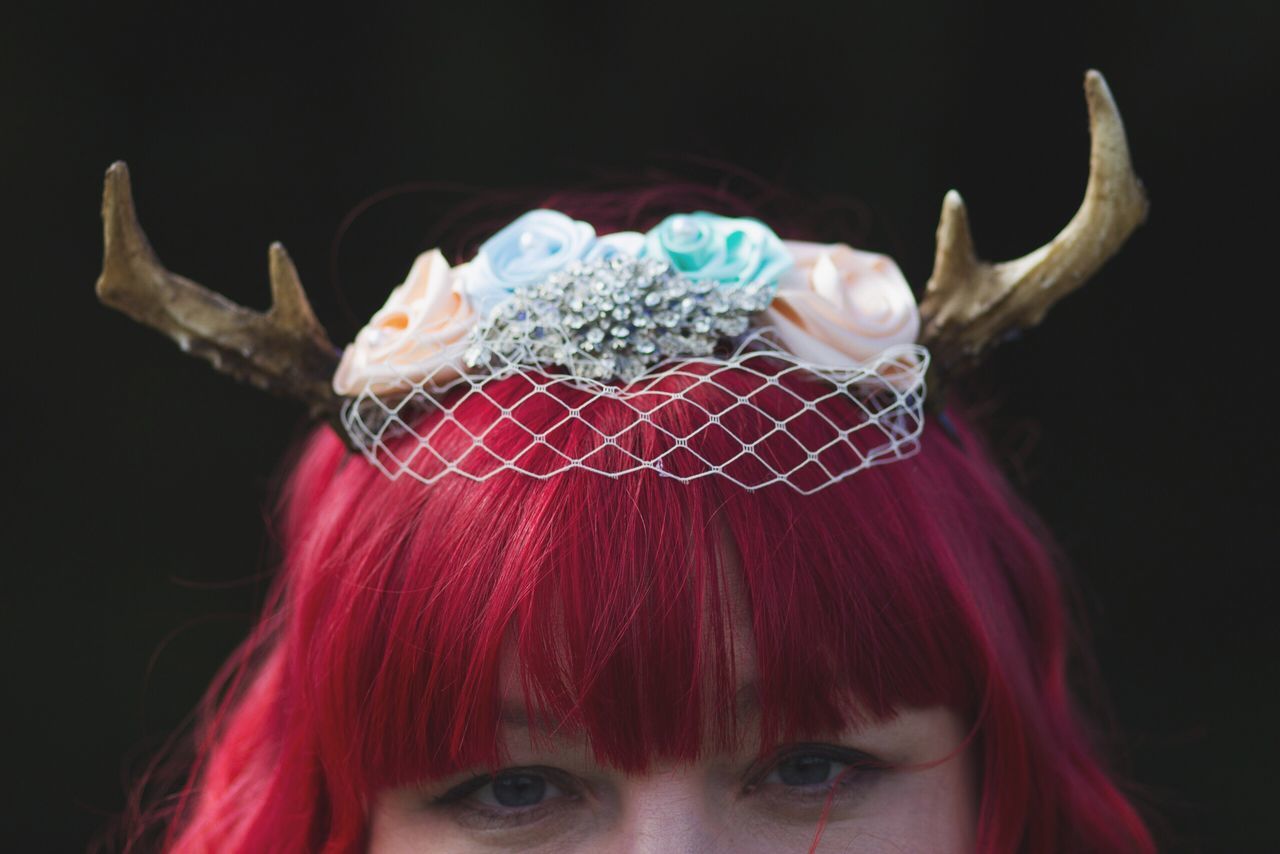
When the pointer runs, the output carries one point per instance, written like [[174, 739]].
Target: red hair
[[918, 583]]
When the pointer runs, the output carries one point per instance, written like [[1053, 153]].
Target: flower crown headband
[[587, 323]]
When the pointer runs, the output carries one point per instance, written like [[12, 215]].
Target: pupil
[[519, 790], [805, 771]]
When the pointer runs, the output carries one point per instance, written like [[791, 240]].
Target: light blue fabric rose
[[731, 251], [525, 252]]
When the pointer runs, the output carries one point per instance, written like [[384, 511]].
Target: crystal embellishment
[[614, 318]]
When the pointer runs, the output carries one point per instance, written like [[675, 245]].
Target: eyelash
[[861, 768], [460, 799]]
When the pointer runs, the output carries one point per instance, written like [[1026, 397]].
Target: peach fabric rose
[[413, 337], [838, 306]]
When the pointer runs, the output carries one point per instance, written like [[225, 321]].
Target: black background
[[136, 479]]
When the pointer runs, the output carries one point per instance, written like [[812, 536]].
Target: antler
[[284, 350], [971, 306]]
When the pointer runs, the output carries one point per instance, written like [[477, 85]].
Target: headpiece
[[588, 326]]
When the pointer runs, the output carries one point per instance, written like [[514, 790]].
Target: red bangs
[[613, 593]]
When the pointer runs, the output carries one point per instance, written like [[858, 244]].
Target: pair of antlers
[[969, 306]]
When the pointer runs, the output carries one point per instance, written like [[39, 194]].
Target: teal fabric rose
[[730, 251]]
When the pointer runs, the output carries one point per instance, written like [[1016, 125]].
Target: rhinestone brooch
[[614, 319]]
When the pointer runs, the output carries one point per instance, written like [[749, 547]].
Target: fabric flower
[[839, 306], [730, 251], [412, 338], [525, 252], [619, 243]]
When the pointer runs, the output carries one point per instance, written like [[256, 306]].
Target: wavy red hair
[[918, 583]]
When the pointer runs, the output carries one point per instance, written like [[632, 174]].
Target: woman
[[650, 545]]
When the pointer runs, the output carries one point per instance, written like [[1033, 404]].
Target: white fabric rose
[[415, 336], [839, 306]]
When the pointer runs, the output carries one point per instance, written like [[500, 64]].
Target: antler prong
[[288, 299], [956, 256], [284, 350], [971, 305]]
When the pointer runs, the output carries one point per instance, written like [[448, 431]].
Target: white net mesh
[[754, 414]]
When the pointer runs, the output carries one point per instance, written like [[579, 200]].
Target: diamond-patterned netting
[[756, 415]]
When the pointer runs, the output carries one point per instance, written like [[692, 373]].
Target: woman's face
[[558, 799], [903, 784]]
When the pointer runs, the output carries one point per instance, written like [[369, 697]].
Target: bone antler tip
[[278, 258], [288, 299], [125, 247], [1111, 159], [285, 286], [1102, 104], [116, 192], [1095, 83], [955, 254], [117, 177], [953, 227], [953, 205], [115, 185]]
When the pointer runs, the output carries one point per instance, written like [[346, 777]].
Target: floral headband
[[561, 331], [612, 307]]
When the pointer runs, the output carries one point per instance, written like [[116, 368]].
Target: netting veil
[[871, 415]]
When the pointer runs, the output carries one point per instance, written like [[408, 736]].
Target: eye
[[509, 798], [806, 769], [516, 789], [815, 769]]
